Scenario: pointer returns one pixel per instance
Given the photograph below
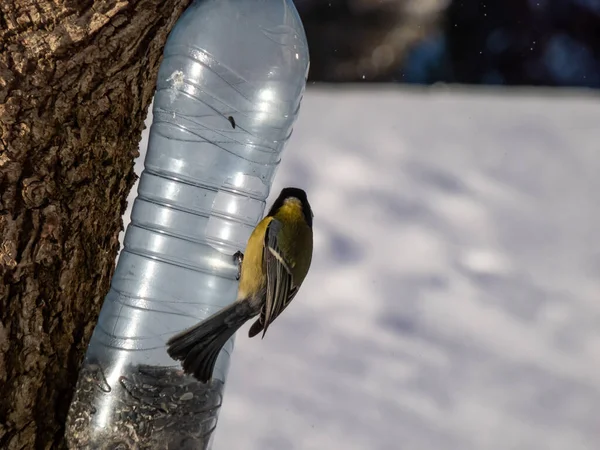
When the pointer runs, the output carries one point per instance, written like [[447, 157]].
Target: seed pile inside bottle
[[147, 408]]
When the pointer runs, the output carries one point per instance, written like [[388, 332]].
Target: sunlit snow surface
[[454, 296]]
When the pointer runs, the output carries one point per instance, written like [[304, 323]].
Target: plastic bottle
[[228, 92]]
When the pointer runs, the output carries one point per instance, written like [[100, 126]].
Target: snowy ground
[[454, 297]]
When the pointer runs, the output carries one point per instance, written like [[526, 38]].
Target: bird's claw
[[238, 258]]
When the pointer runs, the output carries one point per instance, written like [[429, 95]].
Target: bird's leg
[[238, 258]]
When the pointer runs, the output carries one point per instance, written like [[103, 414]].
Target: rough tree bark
[[76, 79]]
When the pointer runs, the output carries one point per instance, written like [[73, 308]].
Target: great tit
[[276, 260]]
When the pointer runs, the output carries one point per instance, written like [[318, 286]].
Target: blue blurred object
[[525, 42], [424, 62], [570, 63], [228, 93], [592, 5]]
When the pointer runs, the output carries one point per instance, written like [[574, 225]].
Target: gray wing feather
[[280, 288]]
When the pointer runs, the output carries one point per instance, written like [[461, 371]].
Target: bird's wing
[[280, 288]]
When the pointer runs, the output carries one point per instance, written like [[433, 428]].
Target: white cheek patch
[[292, 201]]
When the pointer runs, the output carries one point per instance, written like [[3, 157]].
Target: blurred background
[[500, 42], [454, 297]]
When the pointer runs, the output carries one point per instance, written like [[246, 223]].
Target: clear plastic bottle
[[228, 93]]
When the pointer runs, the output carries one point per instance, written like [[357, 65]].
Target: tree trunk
[[76, 78]]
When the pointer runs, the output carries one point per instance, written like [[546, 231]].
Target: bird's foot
[[238, 258]]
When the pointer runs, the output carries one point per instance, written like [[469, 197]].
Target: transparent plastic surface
[[228, 93]]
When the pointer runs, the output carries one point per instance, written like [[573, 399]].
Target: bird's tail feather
[[198, 347]]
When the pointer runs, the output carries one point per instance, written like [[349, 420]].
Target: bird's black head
[[292, 192]]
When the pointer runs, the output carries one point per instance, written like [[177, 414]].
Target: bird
[[272, 268]]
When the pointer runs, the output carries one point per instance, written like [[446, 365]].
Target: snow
[[454, 296]]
